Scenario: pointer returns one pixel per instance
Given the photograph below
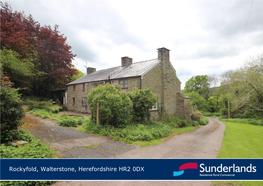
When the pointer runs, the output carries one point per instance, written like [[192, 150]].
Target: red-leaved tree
[[45, 47]]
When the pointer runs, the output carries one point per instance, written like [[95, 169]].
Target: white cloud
[[204, 37]]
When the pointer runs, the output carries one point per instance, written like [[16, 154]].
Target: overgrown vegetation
[[34, 148], [129, 133], [240, 94], [115, 106], [62, 120], [142, 100], [144, 131], [211, 114], [11, 110]]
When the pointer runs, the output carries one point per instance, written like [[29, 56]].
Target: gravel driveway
[[204, 142]]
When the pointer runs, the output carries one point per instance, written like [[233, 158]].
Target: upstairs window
[[124, 83], [74, 87], [73, 101], [83, 87]]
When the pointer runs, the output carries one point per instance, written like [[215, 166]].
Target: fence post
[[98, 112]]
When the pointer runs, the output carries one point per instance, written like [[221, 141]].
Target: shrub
[[34, 149], [46, 105], [194, 123], [196, 112], [115, 106], [204, 121], [133, 132], [68, 123], [43, 113], [71, 122], [11, 111], [142, 100], [210, 114], [25, 135], [183, 123]]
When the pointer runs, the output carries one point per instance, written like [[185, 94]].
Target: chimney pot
[[126, 61], [90, 70]]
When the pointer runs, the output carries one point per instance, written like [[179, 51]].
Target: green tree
[[198, 100], [226, 82], [143, 101], [198, 84], [20, 70], [247, 86], [115, 107], [78, 75], [11, 110]]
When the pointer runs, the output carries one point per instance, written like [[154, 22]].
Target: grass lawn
[[241, 140]]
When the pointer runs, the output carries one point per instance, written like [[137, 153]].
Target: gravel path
[[204, 142]]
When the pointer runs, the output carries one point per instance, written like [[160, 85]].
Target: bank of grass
[[142, 134], [241, 140], [175, 131], [62, 120]]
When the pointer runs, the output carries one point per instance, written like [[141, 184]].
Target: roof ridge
[[132, 63], [145, 60]]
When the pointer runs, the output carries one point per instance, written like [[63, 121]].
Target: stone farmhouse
[[157, 74]]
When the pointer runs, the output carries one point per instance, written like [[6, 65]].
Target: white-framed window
[[154, 107]]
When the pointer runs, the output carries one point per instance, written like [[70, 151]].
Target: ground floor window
[[154, 107], [84, 104], [124, 83]]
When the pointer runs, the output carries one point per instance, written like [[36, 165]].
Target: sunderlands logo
[[215, 171], [227, 169]]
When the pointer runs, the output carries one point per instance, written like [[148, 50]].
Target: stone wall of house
[[187, 107], [171, 84], [154, 115], [132, 82], [164, 83], [171, 87], [161, 79], [152, 80], [182, 106], [79, 93]]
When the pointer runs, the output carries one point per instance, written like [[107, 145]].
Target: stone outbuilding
[[157, 74]]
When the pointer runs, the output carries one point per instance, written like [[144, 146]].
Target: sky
[[205, 37]]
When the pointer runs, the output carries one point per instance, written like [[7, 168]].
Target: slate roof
[[132, 70]]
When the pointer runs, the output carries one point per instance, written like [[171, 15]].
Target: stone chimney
[[90, 70], [163, 54], [126, 61]]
